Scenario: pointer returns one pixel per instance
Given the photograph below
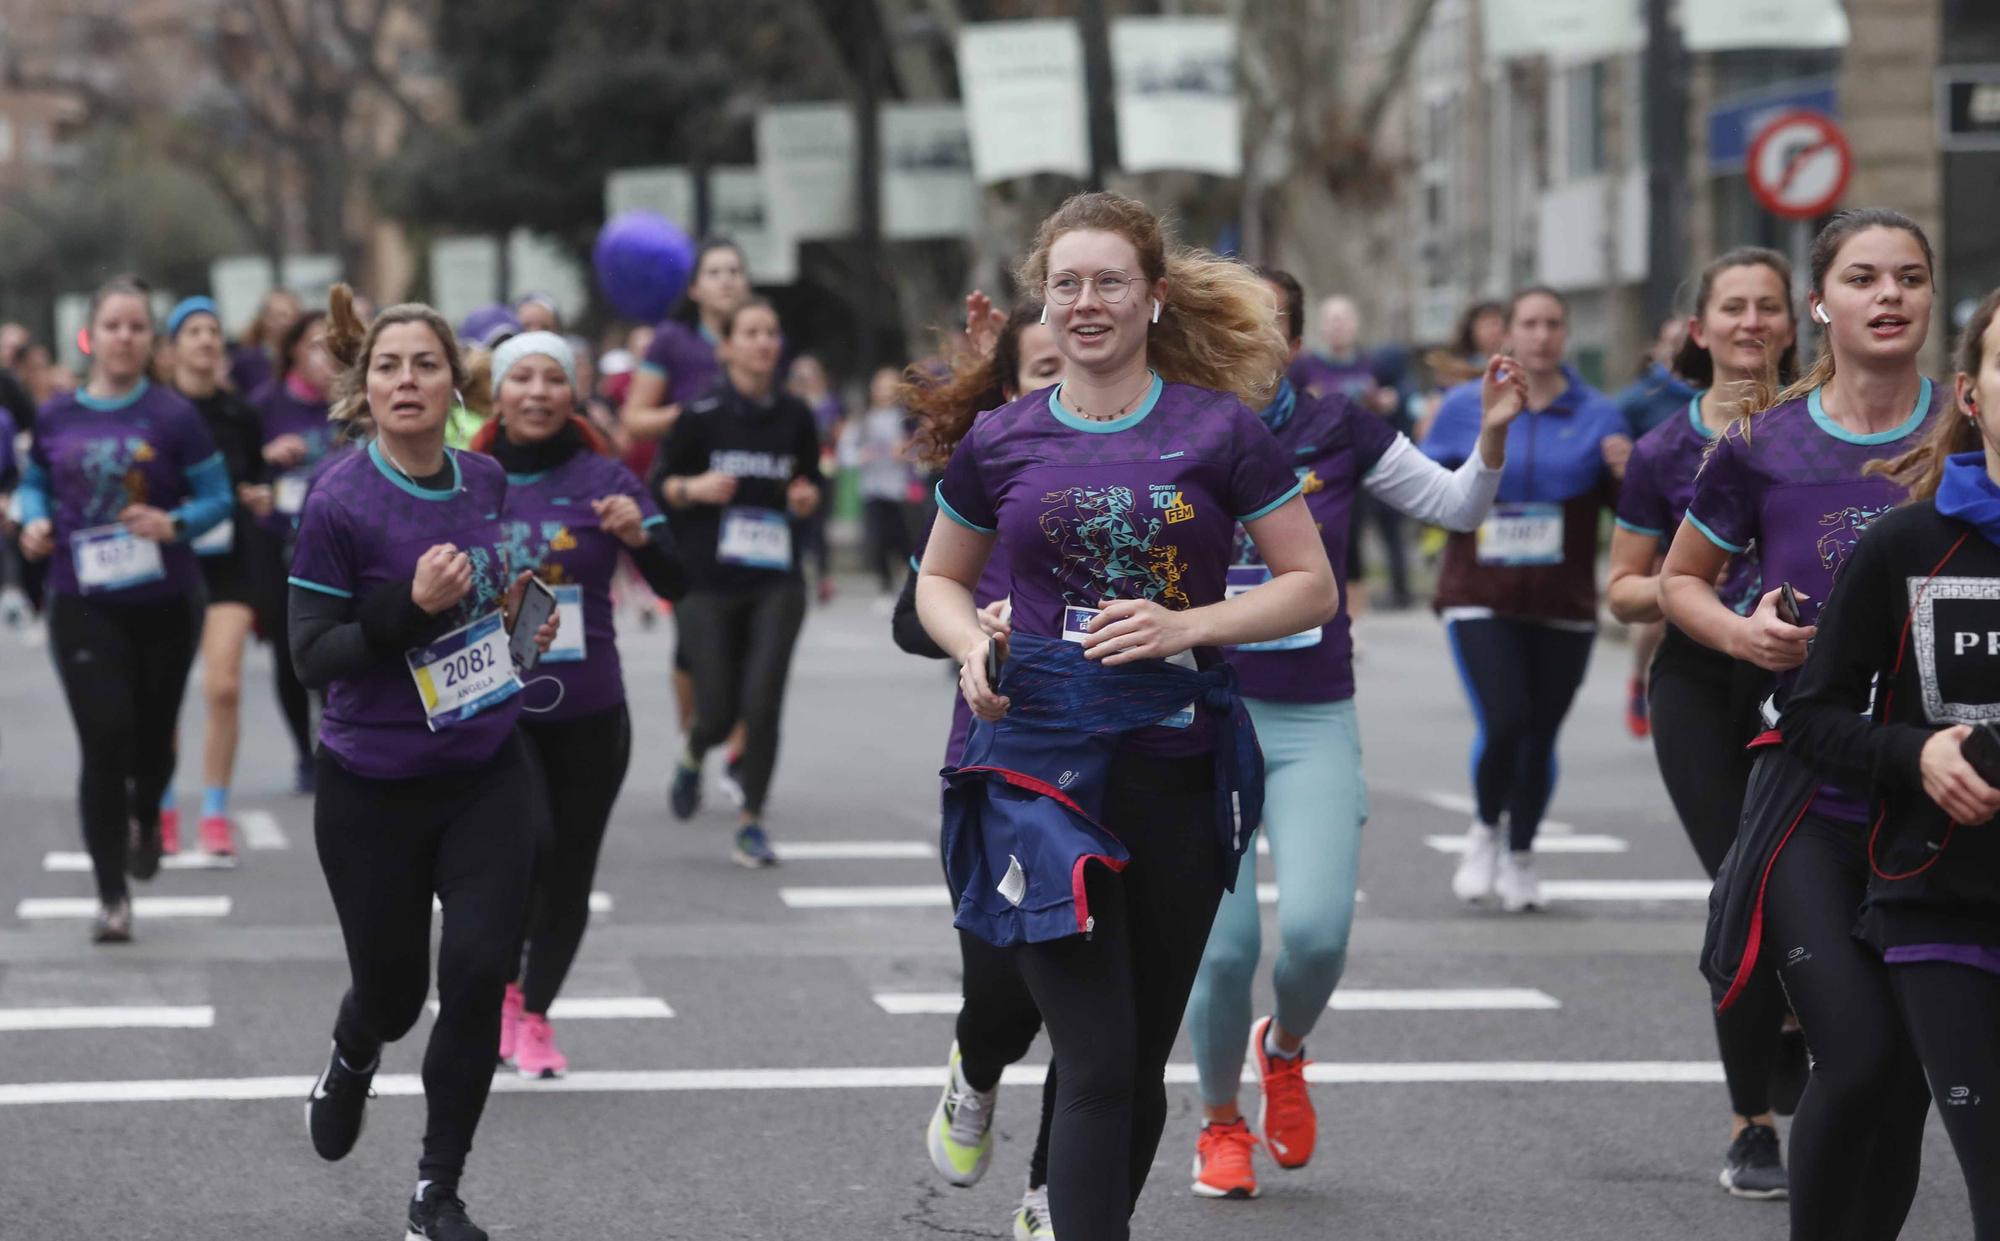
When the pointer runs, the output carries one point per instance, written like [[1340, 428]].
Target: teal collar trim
[[106, 405], [395, 475], [1890, 436], [526, 480], [1694, 416], [1095, 427]]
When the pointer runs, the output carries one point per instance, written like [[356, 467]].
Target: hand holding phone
[[538, 604], [1788, 604]]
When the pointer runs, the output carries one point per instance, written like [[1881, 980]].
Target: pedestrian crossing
[[1347, 999]]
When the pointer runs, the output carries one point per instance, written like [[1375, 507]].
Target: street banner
[[664, 191], [806, 156], [928, 188], [1024, 99], [537, 264], [1569, 30], [1728, 25], [238, 284], [736, 210], [465, 275], [1178, 107]]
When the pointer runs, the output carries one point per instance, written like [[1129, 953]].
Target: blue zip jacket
[[1023, 809]]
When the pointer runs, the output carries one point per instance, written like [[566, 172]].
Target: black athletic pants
[[1953, 1015], [739, 650], [889, 549], [997, 1022], [123, 667], [1857, 1138], [581, 766], [1704, 709], [1521, 676], [1113, 1001], [271, 566], [386, 846]]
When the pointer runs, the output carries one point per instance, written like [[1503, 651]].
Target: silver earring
[[1045, 313], [1156, 310]]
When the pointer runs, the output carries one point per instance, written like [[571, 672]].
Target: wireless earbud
[[1156, 310], [1045, 312], [1819, 312]]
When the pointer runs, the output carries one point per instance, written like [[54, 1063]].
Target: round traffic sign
[[1799, 164]]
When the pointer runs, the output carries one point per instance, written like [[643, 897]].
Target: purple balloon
[[643, 263]]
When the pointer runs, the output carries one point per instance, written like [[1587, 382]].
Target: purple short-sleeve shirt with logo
[[285, 412], [686, 356], [1659, 482]]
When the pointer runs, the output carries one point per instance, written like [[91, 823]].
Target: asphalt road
[[785, 1096]]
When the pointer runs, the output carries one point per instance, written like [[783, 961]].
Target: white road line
[[260, 829], [1459, 803], [916, 1003], [925, 1077], [192, 1017], [919, 896], [1626, 889], [1544, 843], [605, 1008], [79, 863], [1470, 999], [600, 903], [37, 908], [855, 850]]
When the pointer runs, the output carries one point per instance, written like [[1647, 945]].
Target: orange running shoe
[[1290, 1125], [1222, 1164]]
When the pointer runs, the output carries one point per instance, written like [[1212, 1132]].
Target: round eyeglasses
[[1064, 288]]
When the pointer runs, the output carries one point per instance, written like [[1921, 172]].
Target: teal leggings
[[1314, 806]]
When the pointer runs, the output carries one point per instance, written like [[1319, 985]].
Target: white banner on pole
[[1024, 101], [535, 264], [1177, 103], [238, 285], [806, 155], [310, 276], [927, 184], [465, 275], [736, 210], [1574, 30], [1726, 25], [664, 191]]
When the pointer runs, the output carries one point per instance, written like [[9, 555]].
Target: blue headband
[[187, 308]]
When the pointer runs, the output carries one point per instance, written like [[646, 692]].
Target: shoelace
[[1219, 1142], [1289, 1076], [1040, 1218], [968, 1117]]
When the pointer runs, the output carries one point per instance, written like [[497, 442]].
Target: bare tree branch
[[1396, 71], [363, 45]]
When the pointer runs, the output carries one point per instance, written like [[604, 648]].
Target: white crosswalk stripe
[[108, 1017], [605, 1008], [1356, 999], [45, 907], [62, 863], [1582, 843]]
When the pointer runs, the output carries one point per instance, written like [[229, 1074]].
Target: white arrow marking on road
[[260, 829], [605, 1008], [36, 908], [79, 863], [1543, 844], [855, 850], [924, 1077], [196, 1017], [923, 895]]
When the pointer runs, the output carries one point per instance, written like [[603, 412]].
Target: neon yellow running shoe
[[961, 1137]]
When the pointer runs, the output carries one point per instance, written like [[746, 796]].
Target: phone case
[[1981, 748]]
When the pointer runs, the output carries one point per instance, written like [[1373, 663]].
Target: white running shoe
[[960, 1136], [1033, 1221], [1517, 884], [1479, 866]]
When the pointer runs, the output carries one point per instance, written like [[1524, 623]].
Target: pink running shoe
[[216, 840], [510, 1023], [170, 830], [537, 1056]]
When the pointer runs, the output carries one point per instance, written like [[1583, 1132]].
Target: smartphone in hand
[[1788, 604], [1981, 748], [538, 603], [993, 664]]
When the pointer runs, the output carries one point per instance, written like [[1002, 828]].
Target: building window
[[1583, 119]]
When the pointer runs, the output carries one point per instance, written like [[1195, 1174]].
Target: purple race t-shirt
[[365, 525], [686, 356], [99, 457], [285, 412], [1331, 443], [1659, 481], [1317, 374], [549, 526], [1144, 507]]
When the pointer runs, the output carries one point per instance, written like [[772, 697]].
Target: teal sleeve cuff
[[1296, 489], [211, 502], [944, 506], [1648, 531], [657, 519], [335, 591], [1732, 548], [653, 368]]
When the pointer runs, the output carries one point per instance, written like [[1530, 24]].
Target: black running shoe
[[337, 1106], [440, 1216], [1753, 1169], [142, 858], [684, 795], [1789, 1071]]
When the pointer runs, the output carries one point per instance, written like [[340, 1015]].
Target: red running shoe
[[1291, 1127]]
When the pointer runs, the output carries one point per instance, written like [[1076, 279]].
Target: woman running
[[1791, 478], [1519, 596], [255, 358], [401, 607], [195, 329], [1119, 494], [1300, 693], [571, 512], [297, 436], [122, 476], [1007, 356], [741, 467], [1914, 616]]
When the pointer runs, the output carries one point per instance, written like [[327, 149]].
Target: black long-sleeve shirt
[[1908, 643], [766, 446]]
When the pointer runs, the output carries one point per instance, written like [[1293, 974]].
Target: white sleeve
[[1406, 480]]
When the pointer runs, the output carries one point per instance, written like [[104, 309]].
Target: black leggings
[[739, 649], [1113, 1001], [581, 766], [997, 1021], [1521, 676], [386, 846], [1704, 709], [123, 668], [1953, 1015], [1857, 1139], [271, 567], [889, 549]]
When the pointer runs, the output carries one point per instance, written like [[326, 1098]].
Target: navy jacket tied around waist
[[1023, 809]]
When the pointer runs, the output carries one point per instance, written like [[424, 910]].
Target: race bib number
[[1076, 625], [756, 538], [1243, 578], [288, 494], [568, 647], [464, 672], [1522, 534], [219, 541], [113, 558]]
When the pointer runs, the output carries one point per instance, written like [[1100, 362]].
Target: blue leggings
[[1314, 806], [1521, 676]]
